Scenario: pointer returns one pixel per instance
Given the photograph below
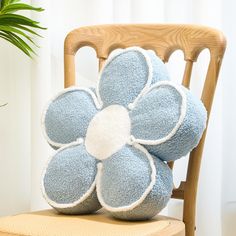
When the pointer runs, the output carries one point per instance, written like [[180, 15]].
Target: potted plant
[[18, 29]]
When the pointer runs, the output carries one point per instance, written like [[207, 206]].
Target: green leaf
[[8, 19], [22, 42], [26, 29], [18, 42], [12, 29], [15, 28], [4, 104], [15, 44], [19, 6], [7, 2]]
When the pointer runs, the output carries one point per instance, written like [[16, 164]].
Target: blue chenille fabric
[[69, 175], [156, 200], [125, 76], [187, 136], [130, 167], [157, 113], [160, 72], [125, 174], [125, 177], [68, 116]]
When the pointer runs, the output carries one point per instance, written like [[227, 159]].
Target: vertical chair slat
[[101, 62], [69, 70], [190, 191], [187, 73]]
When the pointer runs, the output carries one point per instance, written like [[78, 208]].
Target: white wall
[[229, 118], [215, 196], [15, 147]]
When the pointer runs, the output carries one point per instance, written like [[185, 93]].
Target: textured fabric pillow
[[113, 144]]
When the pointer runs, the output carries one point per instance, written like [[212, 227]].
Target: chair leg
[[189, 214], [190, 229]]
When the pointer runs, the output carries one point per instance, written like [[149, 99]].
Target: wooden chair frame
[[164, 39]]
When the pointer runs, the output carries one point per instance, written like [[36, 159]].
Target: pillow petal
[[126, 179], [68, 182], [156, 200], [160, 71], [67, 116], [127, 73], [168, 120]]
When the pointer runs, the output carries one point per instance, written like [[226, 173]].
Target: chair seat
[[50, 223]]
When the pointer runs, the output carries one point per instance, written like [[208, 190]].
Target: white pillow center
[[108, 131]]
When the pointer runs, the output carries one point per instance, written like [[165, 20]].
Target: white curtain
[[26, 86]]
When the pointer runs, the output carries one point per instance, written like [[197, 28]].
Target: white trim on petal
[[116, 53], [144, 195], [65, 205], [181, 117], [70, 89]]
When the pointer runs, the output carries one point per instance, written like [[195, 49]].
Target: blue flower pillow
[[113, 143]]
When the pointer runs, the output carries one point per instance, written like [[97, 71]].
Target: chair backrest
[[164, 39]]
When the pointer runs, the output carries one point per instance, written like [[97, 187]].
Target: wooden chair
[[164, 40]]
